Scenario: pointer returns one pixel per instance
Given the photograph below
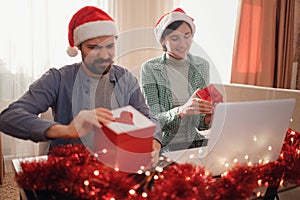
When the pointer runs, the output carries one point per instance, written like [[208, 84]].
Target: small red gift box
[[126, 143], [210, 93]]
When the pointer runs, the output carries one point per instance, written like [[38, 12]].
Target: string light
[[226, 164], [82, 165], [224, 174], [104, 151], [96, 172], [159, 169], [254, 138], [281, 182], [292, 140], [259, 182], [144, 194], [132, 192], [86, 182], [258, 194], [270, 148]]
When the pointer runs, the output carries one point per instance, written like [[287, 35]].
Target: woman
[[170, 83]]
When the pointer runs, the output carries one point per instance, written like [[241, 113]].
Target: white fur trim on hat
[[72, 51], [170, 18], [94, 29]]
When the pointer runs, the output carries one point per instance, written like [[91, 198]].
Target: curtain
[[33, 38], [263, 48], [136, 20]]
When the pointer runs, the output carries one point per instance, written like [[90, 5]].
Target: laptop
[[242, 132]]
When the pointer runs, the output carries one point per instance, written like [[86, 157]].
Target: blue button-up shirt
[[59, 89]]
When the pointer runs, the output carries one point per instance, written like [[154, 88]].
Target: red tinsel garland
[[72, 172]]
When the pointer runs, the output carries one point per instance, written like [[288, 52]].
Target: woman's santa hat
[[87, 23], [175, 15]]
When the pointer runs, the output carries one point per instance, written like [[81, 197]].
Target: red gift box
[[210, 93], [126, 143]]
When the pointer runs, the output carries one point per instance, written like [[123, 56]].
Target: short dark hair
[[172, 27]]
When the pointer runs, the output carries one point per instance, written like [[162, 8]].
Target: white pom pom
[[72, 51]]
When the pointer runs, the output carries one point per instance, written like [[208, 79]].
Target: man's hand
[[81, 125]]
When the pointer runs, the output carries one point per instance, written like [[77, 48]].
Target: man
[[81, 95]]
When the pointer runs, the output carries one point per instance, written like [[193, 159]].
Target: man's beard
[[95, 67]]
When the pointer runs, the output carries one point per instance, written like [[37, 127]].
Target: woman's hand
[[195, 106]]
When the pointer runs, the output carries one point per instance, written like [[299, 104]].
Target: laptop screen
[[241, 132]]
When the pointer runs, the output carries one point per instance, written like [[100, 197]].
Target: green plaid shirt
[[157, 91]]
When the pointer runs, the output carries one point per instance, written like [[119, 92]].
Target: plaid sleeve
[[156, 96]]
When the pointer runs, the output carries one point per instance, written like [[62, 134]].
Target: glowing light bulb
[[249, 163], [104, 150], [161, 158], [140, 171], [292, 140], [258, 194], [270, 148], [159, 169], [188, 178], [117, 169], [86, 182], [235, 160], [246, 157], [132, 192], [142, 167], [226, 164], [112, 198], [254, 138], [144, 194], [259, 182], [191, 156], [96, 155], [291, 120], [293, 133], [96, 172], [260, 161], [281, 155], [281, 182], [155, 177], [147, 173]]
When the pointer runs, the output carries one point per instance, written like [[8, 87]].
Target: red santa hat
[[175, 15], [87, 23]]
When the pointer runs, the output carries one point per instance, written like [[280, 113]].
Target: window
[[215, 22]]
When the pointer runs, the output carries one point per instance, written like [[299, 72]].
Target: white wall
[[215, 23]]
